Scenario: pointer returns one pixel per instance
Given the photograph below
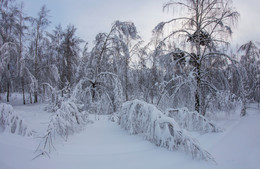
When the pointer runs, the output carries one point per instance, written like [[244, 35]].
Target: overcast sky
[[94, 16]]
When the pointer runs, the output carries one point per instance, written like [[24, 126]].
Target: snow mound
[[139, 117], [11, 122], [192, 121]]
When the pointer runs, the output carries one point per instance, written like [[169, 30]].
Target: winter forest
[[184, 99]]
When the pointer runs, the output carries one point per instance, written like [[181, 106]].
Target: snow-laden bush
[[68, 119], [192, 121], [11, 122], [139, 117]]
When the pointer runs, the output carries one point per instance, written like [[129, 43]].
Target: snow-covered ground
[[104, 145]]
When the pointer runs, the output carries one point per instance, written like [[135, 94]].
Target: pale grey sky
[[94, 16]]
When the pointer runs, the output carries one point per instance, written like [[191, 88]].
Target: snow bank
[[192, 121], [139, 117], [11, 122]]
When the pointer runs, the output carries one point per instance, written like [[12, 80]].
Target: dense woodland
[[190, 66]]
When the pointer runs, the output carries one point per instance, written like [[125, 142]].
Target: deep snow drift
[[104, 144]]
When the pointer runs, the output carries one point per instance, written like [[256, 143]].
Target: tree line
[[190, 66]]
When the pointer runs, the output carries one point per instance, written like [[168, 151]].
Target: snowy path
[[104, 145]]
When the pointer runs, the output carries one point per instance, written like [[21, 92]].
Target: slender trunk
[[35, 86], [0, 92], [35, 97], [99, 59], [8, 92], [30, 97], [198, 61], [23, 90], [197, 92], [43, 93], [36, 66], [20, 54], [244, 101], [243, 110], [8, 86], [126, 79], [154, 78], [152, 95]]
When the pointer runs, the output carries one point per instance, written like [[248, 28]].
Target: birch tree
[[70, 49], [8, 43], [22, 29], [249, 73], [204, 27], [39, 25]]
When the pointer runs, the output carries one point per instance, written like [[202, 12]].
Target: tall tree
[[22, 29], [128, 41], [204, 28], [8, 42], [40, 23], [113, 52], [70, 48], [250, 73]]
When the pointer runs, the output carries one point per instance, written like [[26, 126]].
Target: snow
[[34, 115], [243, 139], [104, 144]]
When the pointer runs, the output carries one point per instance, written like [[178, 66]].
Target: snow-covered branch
[[11, 122], [139, 117], [192, 121]]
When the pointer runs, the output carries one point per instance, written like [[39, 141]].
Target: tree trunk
[[31, 97], [197, 101], [8, 86], [198, 88], [35, 97], [36, 65], [126, 79], [243, 110], [8, 92], [0, 92], [198, 57], [23, 90]]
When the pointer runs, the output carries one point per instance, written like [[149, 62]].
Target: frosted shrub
[[139, 117], [67, 120], [192, 121], [11, 122]]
